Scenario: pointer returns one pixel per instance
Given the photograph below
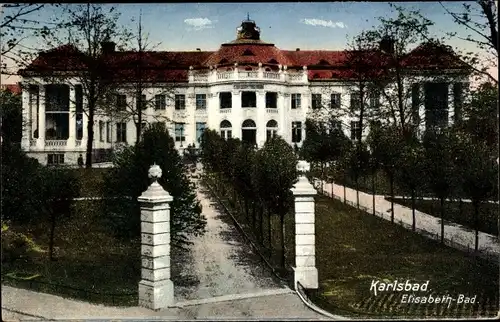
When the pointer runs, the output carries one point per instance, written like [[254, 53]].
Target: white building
[[248, 89]]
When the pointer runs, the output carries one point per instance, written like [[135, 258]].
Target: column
[[261, 118], [72, 117], [41, 117], [85, 121], [451, 104], [236, 115], [156, 290], [26, 117], [421, 110], [305, 270]]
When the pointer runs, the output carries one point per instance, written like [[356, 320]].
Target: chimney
[[297, 49], [387, 45], [198, 49], [108, 47]]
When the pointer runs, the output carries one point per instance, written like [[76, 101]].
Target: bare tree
[[141, 65], [480, 21], [81, 57]]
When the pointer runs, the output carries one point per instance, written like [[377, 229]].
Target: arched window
[[271, 129], [323, 62], [248, 124], [273, 61], [223, 61], [268, 69], [225, 129], [248, 52]]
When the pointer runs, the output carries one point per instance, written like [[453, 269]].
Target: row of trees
[[454, 163], [259, 181]]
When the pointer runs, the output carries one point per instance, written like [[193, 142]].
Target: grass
[[488, 213], [353, 248], [89, 261]]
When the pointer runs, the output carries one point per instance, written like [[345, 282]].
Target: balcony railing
[[201, 78], [33, 142], [56, 143], [272, 110], [295, 77], [225, 75], [78, 142], [271, 75], [225, 110], [248, 74]]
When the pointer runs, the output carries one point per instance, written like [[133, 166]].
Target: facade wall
[[284, 83]]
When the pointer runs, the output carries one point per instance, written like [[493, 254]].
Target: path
[[459, 234], [222, 278]]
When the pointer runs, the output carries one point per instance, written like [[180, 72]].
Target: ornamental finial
[[303, 167], [248, 16], [154, 172]]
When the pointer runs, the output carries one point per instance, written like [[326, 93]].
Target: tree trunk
[[345, 182], [414, 223], [476, 224], [245, 200], [442, 219], [391, 183], [357, 190], [261, 218], [52, 235], [90, 137], [373, 190], [322, 174], [282, 238]]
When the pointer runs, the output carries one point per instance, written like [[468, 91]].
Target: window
[[54, 159], [296, 132], [458, 99], [355, 101], [201, 101], [225, 129], [248, 99], [295, 101], [121, 132], [160, 102], [140, 102], [316, 101], [335, 101], [225, 100], [200, 128], [436, 105], [271, 100], [374, 99], [121, 102], [101, 131], [108, 132], [271, 129], [180, 102], [179, 132], [248, 52], [355, 130], [415, 103]]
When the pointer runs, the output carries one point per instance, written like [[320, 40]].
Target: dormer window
[[268, 69], [323, 62], [223, 61], [248, 52], [273, 61]]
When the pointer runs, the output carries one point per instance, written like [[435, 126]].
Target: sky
[[305, 25]]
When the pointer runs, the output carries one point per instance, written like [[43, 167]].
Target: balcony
[[222, 76], [272, 110]]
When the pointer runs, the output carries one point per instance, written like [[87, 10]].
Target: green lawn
[[488, 213], [353, 248]]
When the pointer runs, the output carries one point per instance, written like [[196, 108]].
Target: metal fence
[[468, 248]]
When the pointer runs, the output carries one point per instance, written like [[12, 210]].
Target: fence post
[[305, 271], [156, 290]]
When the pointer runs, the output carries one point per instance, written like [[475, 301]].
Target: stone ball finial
[[154, 172], [303, 166], [260, 64], [285, 67], [236, 64], [191, 68], [304, 67]]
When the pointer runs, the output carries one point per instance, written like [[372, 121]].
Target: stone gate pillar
[[305, 270], [156, 290]]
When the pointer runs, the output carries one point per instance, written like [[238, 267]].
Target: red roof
[[173, 66], [13, 88]]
